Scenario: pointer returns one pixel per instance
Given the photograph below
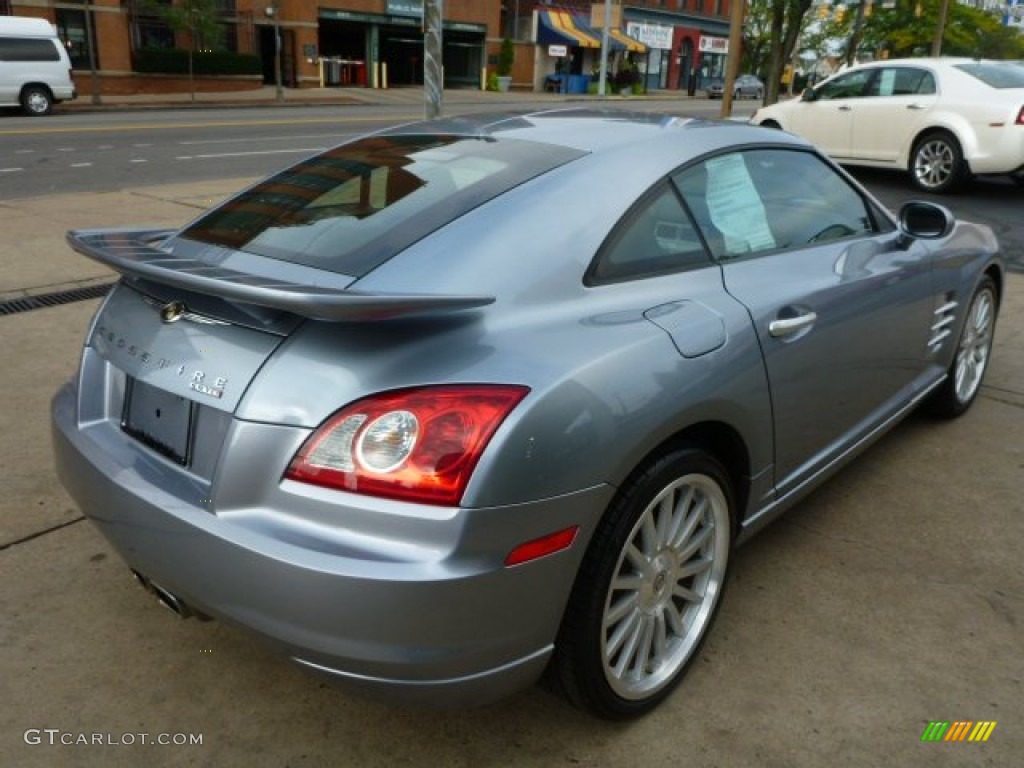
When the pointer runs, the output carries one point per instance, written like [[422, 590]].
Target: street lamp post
[[274, 13]]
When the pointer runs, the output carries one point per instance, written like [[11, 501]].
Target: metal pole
[[94, 75], [275, 12], [433, 59], [602, 79]]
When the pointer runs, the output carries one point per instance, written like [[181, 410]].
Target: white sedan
[[943, 120]]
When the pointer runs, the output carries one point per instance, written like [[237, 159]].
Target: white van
[[35, 71]]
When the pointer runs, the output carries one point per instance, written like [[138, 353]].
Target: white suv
[[35, 71]]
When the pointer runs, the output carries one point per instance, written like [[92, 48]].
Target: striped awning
[[563, 28], [625, 41]]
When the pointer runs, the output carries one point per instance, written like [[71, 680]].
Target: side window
[[903, 81], [656, 237], [848, 86], [770, 199], [27, 49]]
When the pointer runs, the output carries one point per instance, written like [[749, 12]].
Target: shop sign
[[652, 35], [713, 44], [558, 51], [405, 7]]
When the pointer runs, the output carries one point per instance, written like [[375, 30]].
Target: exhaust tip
[[168, 599]]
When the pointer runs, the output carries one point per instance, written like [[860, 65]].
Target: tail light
[[414, 444], [1020, 117]]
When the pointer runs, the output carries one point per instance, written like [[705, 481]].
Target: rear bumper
[[429, 623]]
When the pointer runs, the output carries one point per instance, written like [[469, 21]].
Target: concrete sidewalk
[[266, 96]]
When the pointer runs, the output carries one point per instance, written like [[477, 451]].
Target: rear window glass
[[352, 208], [27, 49], [995, 73]]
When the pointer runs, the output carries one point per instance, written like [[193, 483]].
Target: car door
[[840, 310], [897, 105], [826, 119]]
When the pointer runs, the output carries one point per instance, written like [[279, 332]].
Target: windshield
[[998, 74], [352, 208]]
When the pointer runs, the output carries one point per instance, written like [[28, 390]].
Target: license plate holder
[[161, 420]]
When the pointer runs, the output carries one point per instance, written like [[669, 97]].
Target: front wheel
[[36, 101], [937, 163], [963, 380], [649, 587]]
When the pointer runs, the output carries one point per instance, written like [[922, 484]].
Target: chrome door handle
[[845, 108], [915, 106], [791, 325]]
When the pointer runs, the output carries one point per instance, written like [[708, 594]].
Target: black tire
[[36, 101], [664, 543], [973, 350], [937, 163], [737, 94]]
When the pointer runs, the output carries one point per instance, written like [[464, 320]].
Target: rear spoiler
[[133, 253]]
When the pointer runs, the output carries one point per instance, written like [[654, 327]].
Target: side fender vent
[[942, 326]]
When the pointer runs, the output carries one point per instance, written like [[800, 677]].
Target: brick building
[[362, 42]]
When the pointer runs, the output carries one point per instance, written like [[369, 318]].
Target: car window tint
[[656, 237], [764, 200], [903, 81], [846, 86], [352, 208]]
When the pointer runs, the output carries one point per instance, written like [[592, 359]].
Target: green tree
[[200, 20]]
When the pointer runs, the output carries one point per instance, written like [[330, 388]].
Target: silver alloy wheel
[[934, 163], [665, 585], [975, 345]]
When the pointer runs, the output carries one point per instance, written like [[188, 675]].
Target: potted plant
[[506, 56]]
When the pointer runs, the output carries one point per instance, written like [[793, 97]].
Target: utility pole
[[732, 67], [433, 58]]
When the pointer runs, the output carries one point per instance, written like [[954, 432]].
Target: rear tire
[[963, 379], [937, 162], [648, 589], [36, 101]]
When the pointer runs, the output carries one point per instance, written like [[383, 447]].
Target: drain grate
[[43, 300]]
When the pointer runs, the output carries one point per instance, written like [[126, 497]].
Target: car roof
[[595, 131]]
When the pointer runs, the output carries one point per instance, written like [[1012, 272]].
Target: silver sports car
[[464, 403]]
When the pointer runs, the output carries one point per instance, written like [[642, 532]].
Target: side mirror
[[808, 95], [921, 220]]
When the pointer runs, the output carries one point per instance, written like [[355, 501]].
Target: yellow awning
[[627, 42], [562, 25]]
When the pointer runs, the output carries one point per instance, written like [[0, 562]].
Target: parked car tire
[[937, 162], [759, 95], [36, 101], [973, 349], [649, 587]]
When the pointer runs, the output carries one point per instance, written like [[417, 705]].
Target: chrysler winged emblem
[[172, 311]]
